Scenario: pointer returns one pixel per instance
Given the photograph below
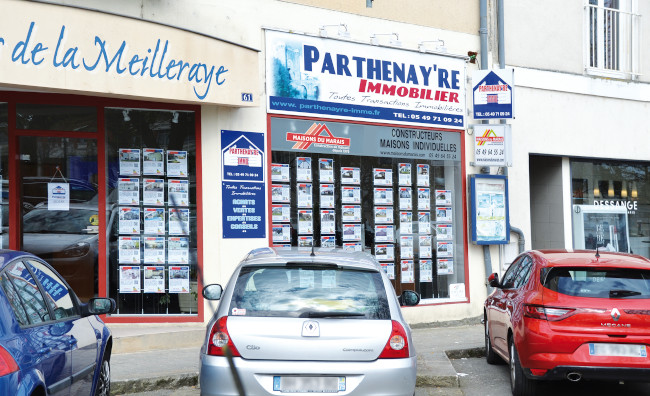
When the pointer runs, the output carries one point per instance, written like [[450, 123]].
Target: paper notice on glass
[[328, 279], [152, 162], [327, 196], [177, 163], [303, 169], [423, 175], [406, 222], [153, 192], [178, 250], [406, 198], [58, 196], [389, 269], [129, 220], [280, 193], [351, 213], [425, 246], [154, 279], [383, 215], [457, 291], [328, 241], [305, 221], [179, 221], [128, 191], [443, 197], [128, 250], [154, 250], [385, 252], [304, 195], [424, 222], [178, 192], [350, 175], [129, 162], [445, 249], [326, 170], [129, 279], [281, 232], [350, 195], [154, 221], [280, 213], [445, 266], [444, 232], [351, 232], [328, 222], [179, 279], [407, 271], [382, 177], [384, 233], [280, 172], [443, 214], [406, 246], [426, 271], [404, 171], [383, 196], [424, 198], [352, 247], [305, 241]]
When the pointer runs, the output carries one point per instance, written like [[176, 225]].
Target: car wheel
[[519, 383], [490, 356], [104, 381]]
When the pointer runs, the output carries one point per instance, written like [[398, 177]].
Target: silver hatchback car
[[303, 322]]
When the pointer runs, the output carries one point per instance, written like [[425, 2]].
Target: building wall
[[546, 202]]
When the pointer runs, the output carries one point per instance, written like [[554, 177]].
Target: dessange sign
[[69, 49]]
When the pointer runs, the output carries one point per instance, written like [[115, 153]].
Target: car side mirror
[[212, 292], [409, 298], [99, 306], [493, 280]]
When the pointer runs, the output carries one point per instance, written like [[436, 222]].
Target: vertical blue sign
[[243, 189]]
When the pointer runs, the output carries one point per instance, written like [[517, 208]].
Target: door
[[59, 203]]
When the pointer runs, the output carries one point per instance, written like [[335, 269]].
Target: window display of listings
[[388, 191]]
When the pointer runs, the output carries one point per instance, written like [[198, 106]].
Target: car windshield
[[304, 291], [73, 221], [600, 282]]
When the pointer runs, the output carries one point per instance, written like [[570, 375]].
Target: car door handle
[[44, 350]]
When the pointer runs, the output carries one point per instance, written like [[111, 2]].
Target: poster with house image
[[179, 221], [303, 169], [152, 162], [443, 197], [281, 232], [154, 250], [153, 192], [424, 198], [423, 175], [383, 215], [179, 279], [280, 213], [407, 271], [384, 233], [304, 195], [385, 251], [129, 250], [424, 222], [129, 279], [351, 232], [280, 172], [389, 269], [128, 191], [350, 175], [443, 214], [426, 271], [154, 221], [280, 193], [129, 220], [425, 246], [328, 241], [178, 192], [326, 170], [406, 222], [328, 222], [382, 177], [445, 267], [383, 196], [129, 162], [177, 163], [305, 221], [350, 194], [405, 198], [445, 249], [404, 174], [351, 213], [154, 279], [327, 196], [178, 250], [406, 246]]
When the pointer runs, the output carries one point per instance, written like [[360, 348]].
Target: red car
[[573, 315]]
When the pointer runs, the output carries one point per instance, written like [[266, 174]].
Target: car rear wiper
[[330, 314], [622, 293]]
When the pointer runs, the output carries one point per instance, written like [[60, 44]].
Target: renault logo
[[310, 329], [615, 314]]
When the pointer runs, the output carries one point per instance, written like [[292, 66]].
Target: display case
[[601, 226]]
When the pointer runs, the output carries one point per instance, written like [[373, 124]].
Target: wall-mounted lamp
[[322, 31], [635, 193], [125, 114], [374, 40], [439, 48], [624, 189], [610, 189], [596, 190], [175, 117]]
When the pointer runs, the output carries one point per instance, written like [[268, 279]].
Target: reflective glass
[[56, 117]]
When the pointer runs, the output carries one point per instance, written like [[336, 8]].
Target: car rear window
[[599, 282], [299, 291]]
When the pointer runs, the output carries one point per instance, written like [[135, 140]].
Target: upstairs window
[[612, 38]]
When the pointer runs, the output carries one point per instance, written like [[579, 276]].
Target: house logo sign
[[489, 136], [318, 134]]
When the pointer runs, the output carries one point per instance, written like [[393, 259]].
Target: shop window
[[4, 176], [56, 117], [151, 211]]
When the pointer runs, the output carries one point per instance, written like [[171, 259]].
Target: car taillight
[[397, 345], [548, 313], [7, 363], [220, 339]]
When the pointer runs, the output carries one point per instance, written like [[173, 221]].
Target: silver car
[[303, 322]]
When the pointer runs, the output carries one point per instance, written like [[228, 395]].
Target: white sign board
[[492, 145]]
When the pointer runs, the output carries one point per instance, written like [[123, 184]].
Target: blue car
[[50, 342]]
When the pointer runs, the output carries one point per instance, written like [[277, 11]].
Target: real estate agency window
[[151, 210], [394, 192]]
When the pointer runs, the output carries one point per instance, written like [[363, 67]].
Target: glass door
[[59, 202]]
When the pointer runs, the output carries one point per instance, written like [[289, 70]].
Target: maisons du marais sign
[[69, 49], [343, 80]]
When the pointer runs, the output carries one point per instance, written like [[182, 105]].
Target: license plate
[[289, 384], [626, 350]]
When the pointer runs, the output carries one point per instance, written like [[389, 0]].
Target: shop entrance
[[58, 191]]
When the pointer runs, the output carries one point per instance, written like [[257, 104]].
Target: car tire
[[519, 383], [103, 387], [490, 356]]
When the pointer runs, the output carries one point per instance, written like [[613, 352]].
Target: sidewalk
[[147, 358]]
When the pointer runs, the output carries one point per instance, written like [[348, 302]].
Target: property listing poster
[[153, 192], [280, 213], [424, 222], [129, 279], [351, 232], [303, 173], [328, 241], [443, 214], [281, 232], [405, 198], [178, 250], [385, 251], [383, 196], [327, 196], [179, 279], [424, 198], [426, 271], [407, 271], [129, 250], [328, 222], [154, 279], [350, 175], [179, 221], [382, 176], [178, 192], [177, 163], [384, 215], [445, 249], [350, 195], [154, 221], [305, 221], [280, 193], [406, 246], [279, 172], [404, 171], [351, 213], [425, 246], [384, 233], [445, 267], [326, 170], [443, 197], [423, 175], [154, 250], [406, 222], [305, 241], [128, 191], [389, 269], [152, 162], [444, 232], [129, 162], [129, 220], [352, 247], [304, 195]]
